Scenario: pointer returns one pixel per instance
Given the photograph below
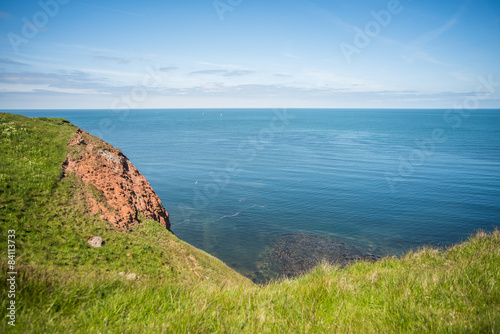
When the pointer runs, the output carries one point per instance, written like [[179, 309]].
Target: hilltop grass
[[65, 286]]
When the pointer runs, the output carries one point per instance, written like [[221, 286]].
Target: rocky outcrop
[[117, 191]]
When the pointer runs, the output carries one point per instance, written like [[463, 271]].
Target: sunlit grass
[[426, 291]]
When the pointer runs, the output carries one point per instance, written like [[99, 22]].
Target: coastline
[[77, 272]]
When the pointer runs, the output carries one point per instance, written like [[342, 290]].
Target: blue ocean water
[[385, 181]]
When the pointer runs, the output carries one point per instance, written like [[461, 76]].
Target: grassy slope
[[65, 286], [48, 214]]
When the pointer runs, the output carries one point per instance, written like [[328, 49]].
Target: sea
[[384, 181]]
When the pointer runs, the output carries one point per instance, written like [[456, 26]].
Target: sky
[[89, 54]]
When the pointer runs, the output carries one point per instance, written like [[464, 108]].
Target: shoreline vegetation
[[145, 279]]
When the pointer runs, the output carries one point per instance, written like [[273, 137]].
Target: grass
[[64, 286], [426, 291]]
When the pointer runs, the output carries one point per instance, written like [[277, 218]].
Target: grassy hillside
[[65, 286], [48, 213]]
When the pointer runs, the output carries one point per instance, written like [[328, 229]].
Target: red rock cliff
[[121, 194]]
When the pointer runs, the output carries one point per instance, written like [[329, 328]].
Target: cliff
[[121, 194]]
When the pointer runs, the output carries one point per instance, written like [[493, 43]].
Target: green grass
[[426, 291], [65, 286], [31, 154]]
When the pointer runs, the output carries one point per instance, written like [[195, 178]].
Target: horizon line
[[238, 108]]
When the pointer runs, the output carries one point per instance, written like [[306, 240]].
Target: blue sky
[[241, 54]]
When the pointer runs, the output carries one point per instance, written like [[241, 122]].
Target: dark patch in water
[[296, 253]]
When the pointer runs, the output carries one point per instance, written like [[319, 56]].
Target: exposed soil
[[118, 192]]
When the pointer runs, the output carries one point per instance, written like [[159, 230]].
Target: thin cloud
[[110, 9], [117, 60], [86, 48], [413, 52], [318, 11], [417, 53], [433, 34], [463, 77], [238, 73], [328, 94], [5, 15], [61, 79], [168, 69], [255, 94], [9, 61], [224, 73], [290, 55], [226, 66], [209, 72]]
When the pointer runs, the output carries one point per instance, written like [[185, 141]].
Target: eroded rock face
[[121, 194]]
